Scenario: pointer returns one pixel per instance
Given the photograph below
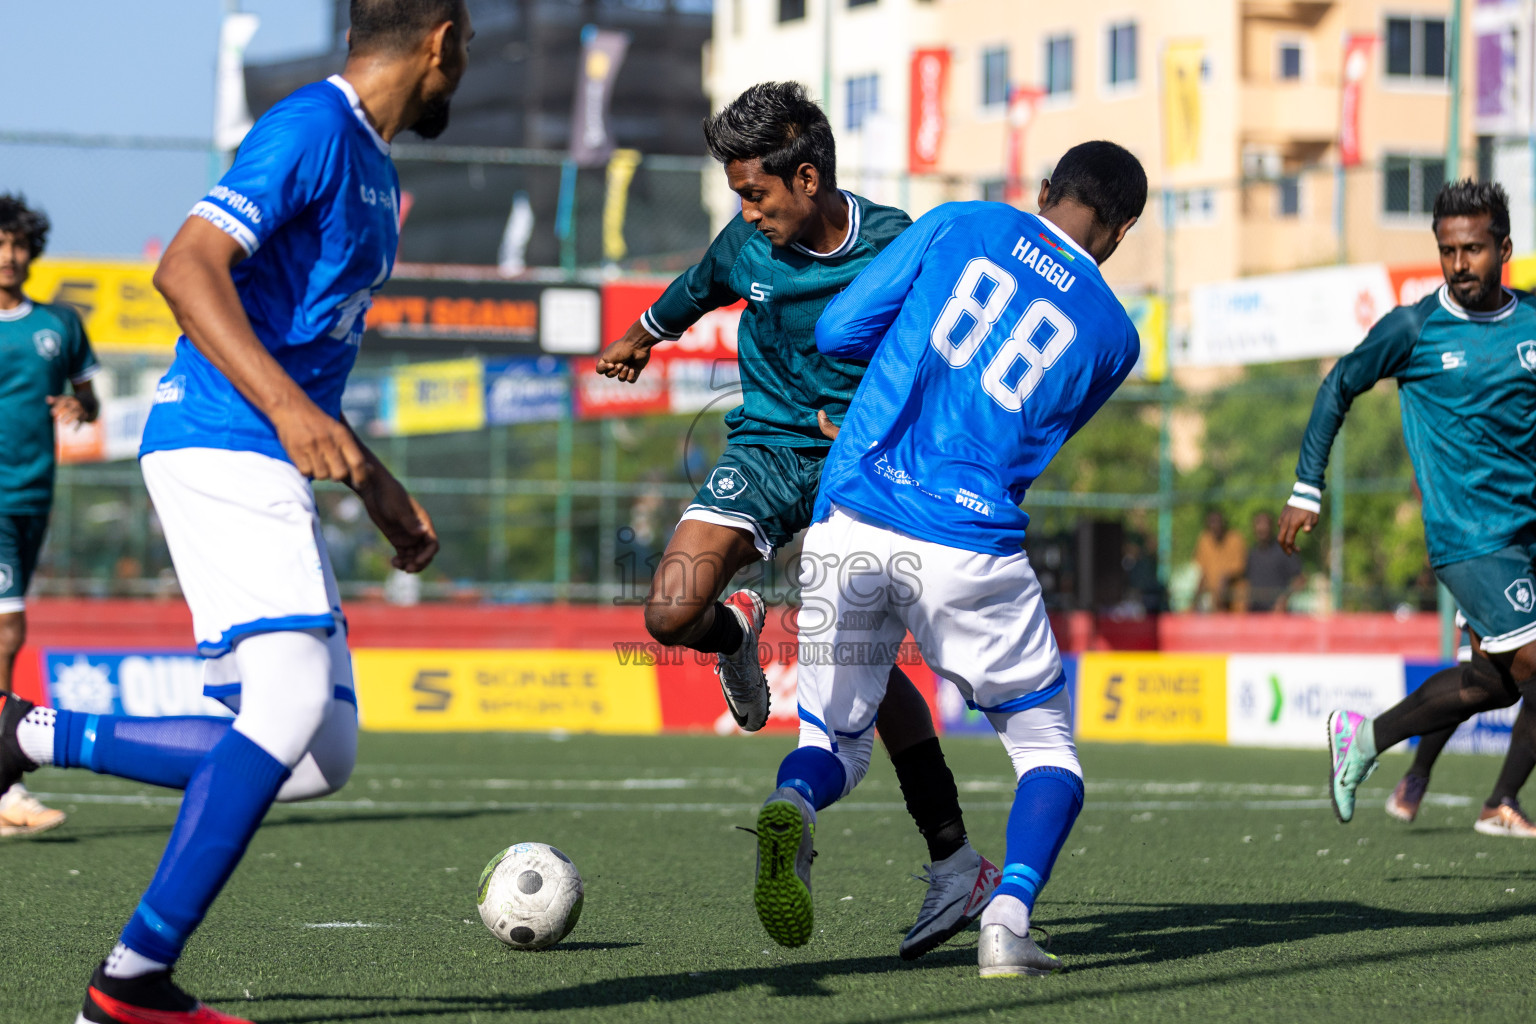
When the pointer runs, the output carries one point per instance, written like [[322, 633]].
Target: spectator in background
[[1271, 573], [1223, 559]]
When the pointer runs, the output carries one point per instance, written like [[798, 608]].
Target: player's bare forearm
[[399, 517], [626, 357], [194, 276], [80, 407], [1293, 521], [90, 405]]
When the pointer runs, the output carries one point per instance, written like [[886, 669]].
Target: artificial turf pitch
[[1200, 883]]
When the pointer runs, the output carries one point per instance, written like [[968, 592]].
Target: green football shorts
[[21, 538], [769, 491]]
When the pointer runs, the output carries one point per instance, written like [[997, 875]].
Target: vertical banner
[[1357, 61], [929, 76], [621, 171], [231, 114], [1181, 103], [1022, 104], [602, 52], [1150, 316]]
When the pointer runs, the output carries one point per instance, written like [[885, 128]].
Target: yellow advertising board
[[411, 690], [117, 300], [1152, 698], [438, 397]]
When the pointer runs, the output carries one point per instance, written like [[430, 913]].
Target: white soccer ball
[[530, 896]]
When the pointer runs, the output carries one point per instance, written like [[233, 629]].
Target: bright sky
[[117, 68]]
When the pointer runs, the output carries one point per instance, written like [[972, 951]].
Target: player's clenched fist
[[401, 519], [321, 448], [626, 357]]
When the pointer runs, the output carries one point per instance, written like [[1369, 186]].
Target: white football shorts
[[245, 540], [978, 619]]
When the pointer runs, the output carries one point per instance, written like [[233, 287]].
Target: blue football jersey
[[313, 199], [992, 338]]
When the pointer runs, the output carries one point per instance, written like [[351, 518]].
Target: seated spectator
[[1222, 558], [1272, 574]]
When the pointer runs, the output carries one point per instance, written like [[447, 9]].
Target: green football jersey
[[784, 379], [41, 347], [1467, 386]]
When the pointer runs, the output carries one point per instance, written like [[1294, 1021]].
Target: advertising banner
[[1181, 102], [141, 683], [596, 397], [1503, 68], [1357, 62], [694, 385], [1152, 698], [602, 52], [526, 390], [713, 337], [1283, 700], [436, 398], [1307, 314], [1413, 282], [425, 316], [925, 134], [117, 302], [517, 690]]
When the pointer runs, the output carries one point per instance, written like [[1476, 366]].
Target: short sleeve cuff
[[86, 374], [229, 224], [648, 321], [1306, 497]]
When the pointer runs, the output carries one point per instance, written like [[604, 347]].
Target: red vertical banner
[[1357, 61], [929, 77], [1022, 104]]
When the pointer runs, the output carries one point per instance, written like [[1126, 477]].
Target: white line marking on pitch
[[343, 924]]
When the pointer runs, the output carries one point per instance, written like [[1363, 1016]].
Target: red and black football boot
[[148, 999]]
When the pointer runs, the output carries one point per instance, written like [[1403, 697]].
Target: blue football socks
[[159, 751], [1045, 805], [226, 797], [815, 774]]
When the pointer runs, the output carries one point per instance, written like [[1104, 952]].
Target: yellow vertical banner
[[438, 397], [621, 171], [1150, 316], [1181, 102]]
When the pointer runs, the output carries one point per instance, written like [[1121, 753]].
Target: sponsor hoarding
[[598, 397], [1283, 700], [925, 133], [117, 302], [1152, 698], [519, 690], [1307, 314], [526, 390], [139, 683], [436, 398], [494, 317]]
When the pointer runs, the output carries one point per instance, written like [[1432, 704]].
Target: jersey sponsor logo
[[48, 343], [7, 577], [1454, 360], [236, 203], [1055, 272], [974, 502], [1521, 595], [760, 292], [1527, 353], [376, 196], [727, 484], [351, 315], [171, 390], [896, 476]]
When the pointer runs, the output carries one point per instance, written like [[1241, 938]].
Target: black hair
[[17, 218], [397, 26], [779, 124], [1466, 198], [1104, 177]]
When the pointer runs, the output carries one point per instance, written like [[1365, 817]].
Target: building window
[[1410, 184], [1193, 206], [1416, 48], [994, 189], [1058, 66], [863, 99], [1288, 196], [791, 10], [1288, 62], [994, 77], [1122, 53]]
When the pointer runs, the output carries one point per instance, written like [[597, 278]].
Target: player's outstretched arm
[[626, 357], [399, 517], [195, 280], [1294, 521]]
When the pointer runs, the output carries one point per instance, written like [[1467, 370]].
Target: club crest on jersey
[[1527, 352], [727, 484], [48, 343], [1521, 594], [6, 577]]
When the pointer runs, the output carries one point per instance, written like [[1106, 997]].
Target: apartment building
[[1253, 187]]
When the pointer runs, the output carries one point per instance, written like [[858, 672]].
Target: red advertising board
[[1357, 57], [596, 397], [713, 337], [929, 78]]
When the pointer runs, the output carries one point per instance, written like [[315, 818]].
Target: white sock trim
[[1008, 911], [125, 963]]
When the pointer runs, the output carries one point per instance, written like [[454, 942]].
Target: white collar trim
[[846, 246], [1053, 229], [9, 315], [1455, 308], [357, 111]]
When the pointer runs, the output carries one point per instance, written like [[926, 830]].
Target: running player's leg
[[1404, 802], [21, 539]]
